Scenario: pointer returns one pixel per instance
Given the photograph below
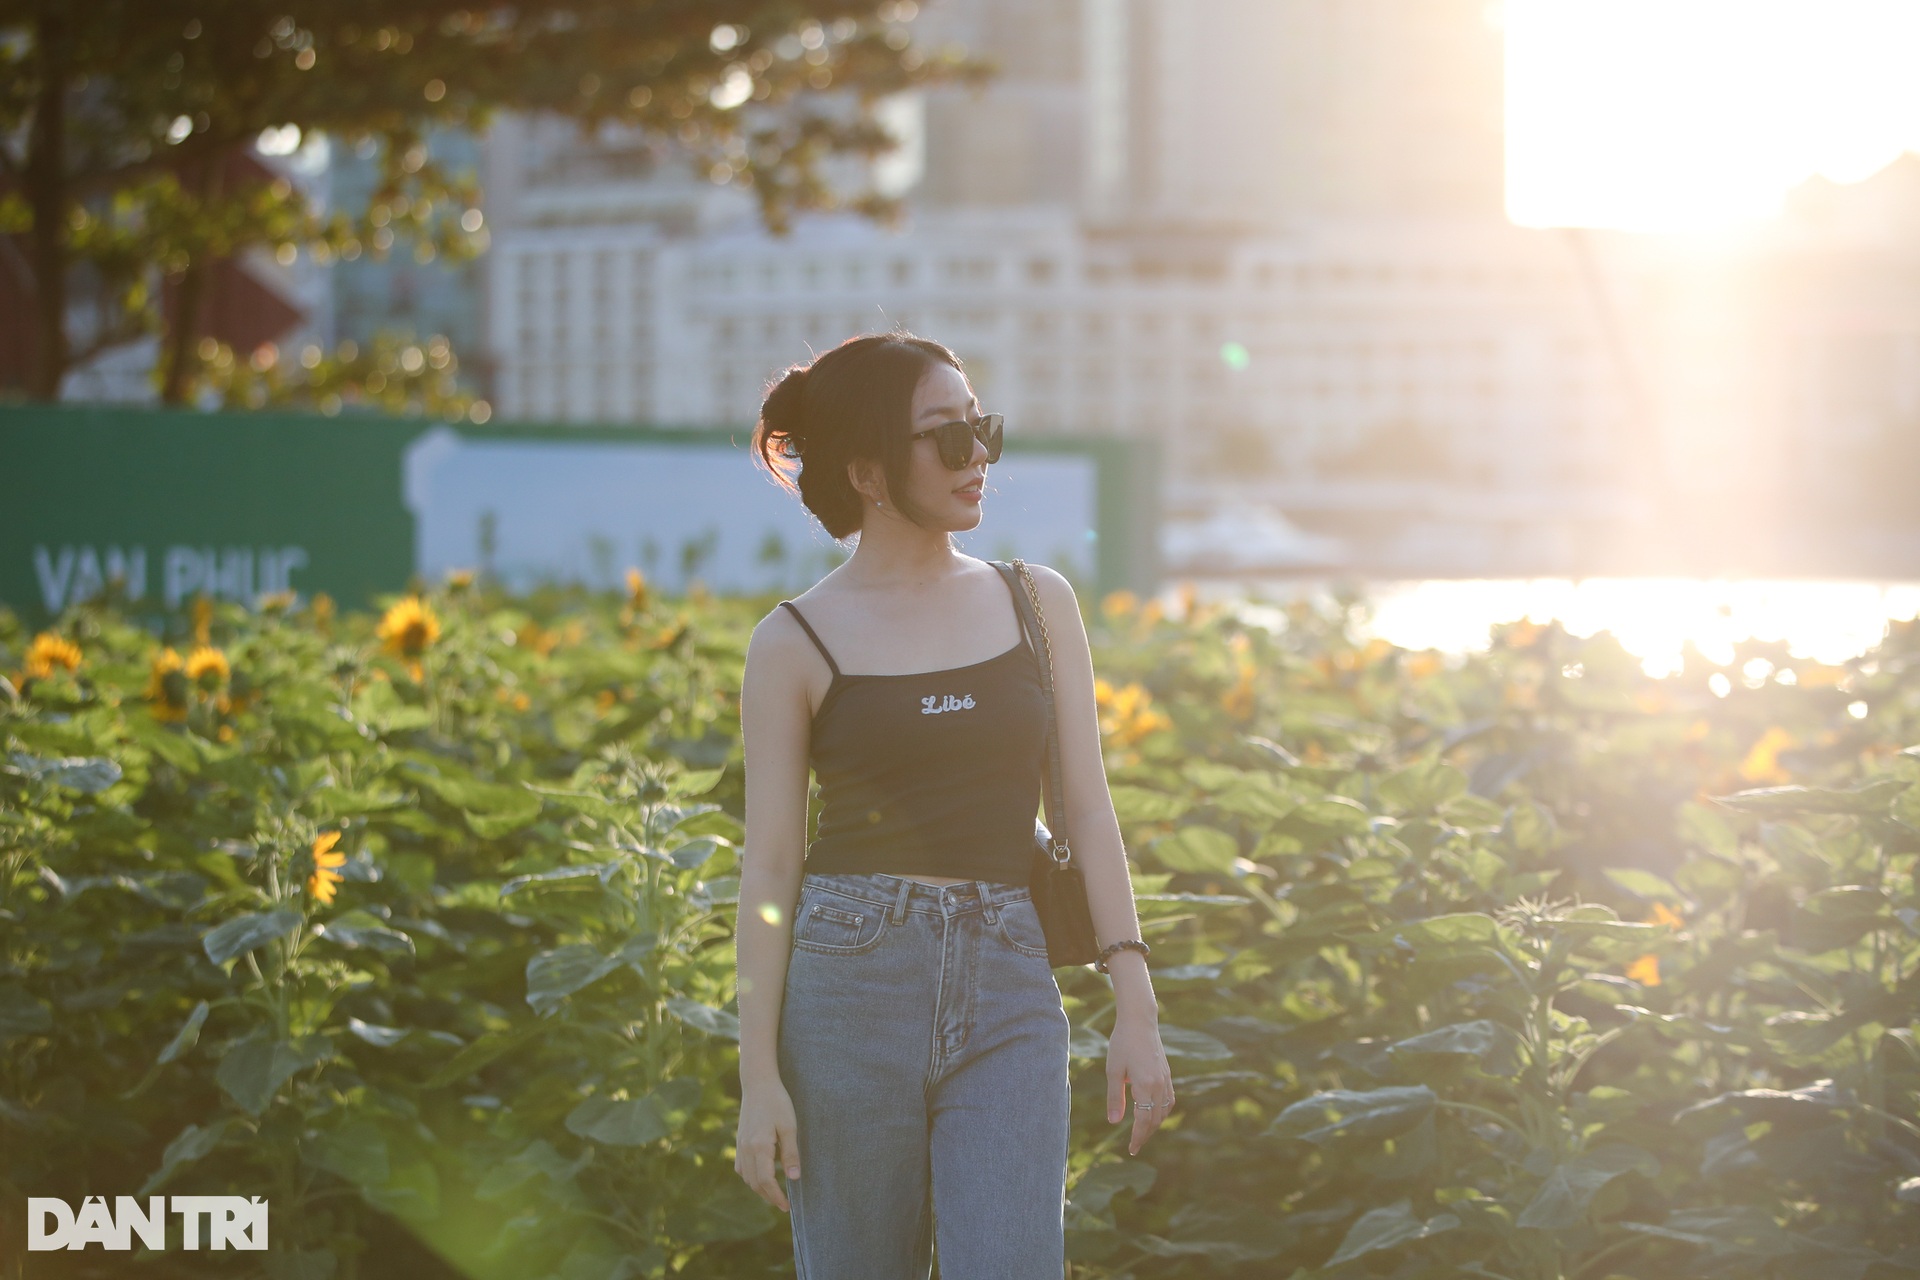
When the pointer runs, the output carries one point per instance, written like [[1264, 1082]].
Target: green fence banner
[[235, 505]]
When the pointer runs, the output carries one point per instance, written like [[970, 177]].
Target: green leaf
[[1198, 1046], [478, 1054], [1256, 798], [357, 929], [489, 799], [1343, 1113], [1474, 813], [1389, 1228], [554, 975], [591, 875], [1090, 1202], [1645, 884], [1874, 797], [192, 1143], [1841, 916], [1709, 829], [492, 826], [171, 745], [694, 854], [1462, 929], [535, 1159], [730, 1211], [1568, 1192], [1334, 815], [694, 782], [88, 775], [1136, 805], [185, 1038], [243, 933], [1165, 903], [634, 1122], [356, 1151], [1476, 1039], [1739, 1230], [586, 803], [1205, 850], [252, 1070], [333, 803], [1423, 786], [378, 1036], [715, 1022]]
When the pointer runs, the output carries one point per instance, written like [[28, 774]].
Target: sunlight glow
[[1682, 115], [1653, 618]]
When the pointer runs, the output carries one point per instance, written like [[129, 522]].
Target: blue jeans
[[924, 1045]]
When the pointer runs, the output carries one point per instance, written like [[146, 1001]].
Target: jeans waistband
[[885, 890]]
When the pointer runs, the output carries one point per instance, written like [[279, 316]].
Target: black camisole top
[[936, 773]]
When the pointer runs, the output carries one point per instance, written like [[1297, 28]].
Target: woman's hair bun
[[781, 411]]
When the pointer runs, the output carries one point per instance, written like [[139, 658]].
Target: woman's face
[[947, 500]]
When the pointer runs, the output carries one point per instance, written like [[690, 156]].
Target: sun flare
[[1684, 115]]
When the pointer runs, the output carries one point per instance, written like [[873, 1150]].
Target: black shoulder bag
[[1059, 890]]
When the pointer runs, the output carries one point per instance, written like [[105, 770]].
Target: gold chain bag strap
[[1059, 890]]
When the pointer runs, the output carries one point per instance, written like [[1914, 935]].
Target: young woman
[[903, 1049]]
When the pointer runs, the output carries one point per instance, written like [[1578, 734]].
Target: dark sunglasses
[[956, 440]]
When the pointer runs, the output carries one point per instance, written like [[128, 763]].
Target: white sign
[[567, 510], [233, 1222]]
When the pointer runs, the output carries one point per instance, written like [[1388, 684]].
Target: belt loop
[[987, 904], [899, 913]]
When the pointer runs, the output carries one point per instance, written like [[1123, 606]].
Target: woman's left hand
[[1135, 1056]]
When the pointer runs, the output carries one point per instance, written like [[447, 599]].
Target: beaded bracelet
[[1129, 944]]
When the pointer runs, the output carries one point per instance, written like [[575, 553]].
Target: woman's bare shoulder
[[1054, 588]]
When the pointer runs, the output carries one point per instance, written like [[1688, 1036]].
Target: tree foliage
[[122, 124]]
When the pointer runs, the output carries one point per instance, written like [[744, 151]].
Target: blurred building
[[1266, 231]]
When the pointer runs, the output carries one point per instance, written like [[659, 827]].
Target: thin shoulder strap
[[799, 617], [1020, 605]]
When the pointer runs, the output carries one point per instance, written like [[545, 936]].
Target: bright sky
[[1676, 115]]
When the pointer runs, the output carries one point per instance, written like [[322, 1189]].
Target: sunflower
[[636, 589], [407, 629], [1126, 713], [1762, 764], [1663, 914], [208, 667], [459, 580], [167, 687], [326, 864], [202, 620], [48, 651]]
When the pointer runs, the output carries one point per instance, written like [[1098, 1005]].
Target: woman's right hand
[[767, 1141]]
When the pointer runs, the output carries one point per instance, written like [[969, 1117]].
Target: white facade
[[1316, 341]]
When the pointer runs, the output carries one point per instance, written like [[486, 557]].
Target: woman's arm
[[1135, 1056], [774, 723], [1091, 825], [774, 726]]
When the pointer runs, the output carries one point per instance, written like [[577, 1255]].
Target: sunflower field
[[1521, 965]]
